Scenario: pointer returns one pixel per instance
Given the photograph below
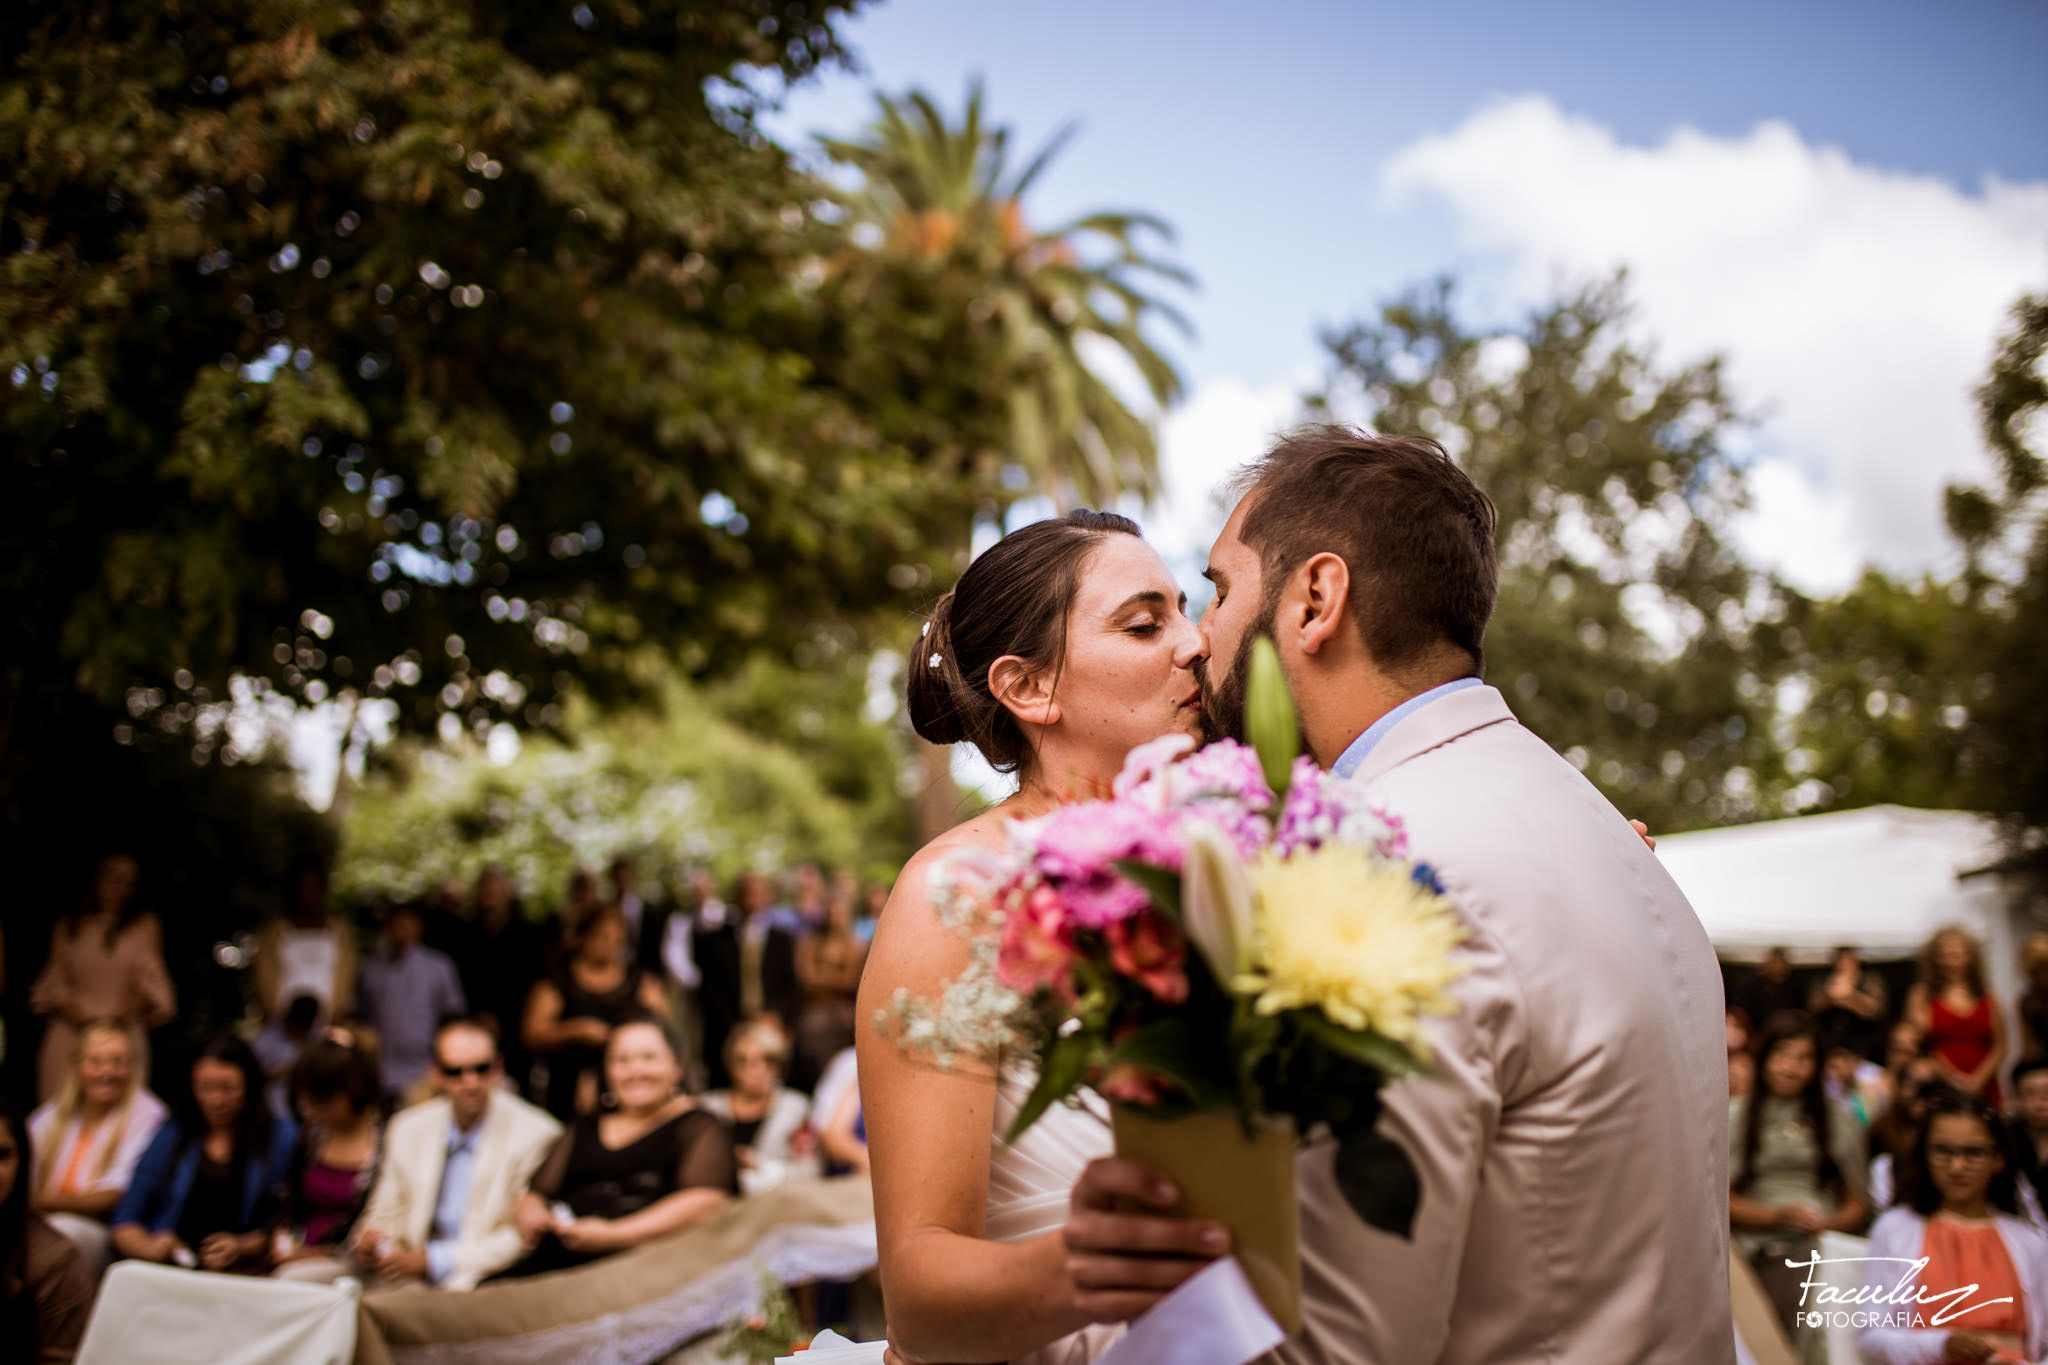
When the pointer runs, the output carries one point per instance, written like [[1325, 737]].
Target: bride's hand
[[1643, 832], [1122, 1262]]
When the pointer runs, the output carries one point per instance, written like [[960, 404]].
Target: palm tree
[[943, 195], [935, 195]]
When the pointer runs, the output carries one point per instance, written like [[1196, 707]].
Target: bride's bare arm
[[951, 1295]]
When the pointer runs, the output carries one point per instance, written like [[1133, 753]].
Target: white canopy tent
[[1883, 878]]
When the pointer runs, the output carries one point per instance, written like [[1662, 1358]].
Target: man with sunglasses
[[454, 1168]]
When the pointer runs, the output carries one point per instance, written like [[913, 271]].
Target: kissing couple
[[1572, 1146]]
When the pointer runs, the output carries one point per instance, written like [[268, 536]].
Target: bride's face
[[1128, 674]]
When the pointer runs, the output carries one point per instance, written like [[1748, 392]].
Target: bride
[[1063, 647]]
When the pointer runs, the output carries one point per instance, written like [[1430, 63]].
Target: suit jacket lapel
[[1432, 727], [432, 1159]]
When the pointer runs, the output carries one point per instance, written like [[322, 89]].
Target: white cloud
[[1858, 307]]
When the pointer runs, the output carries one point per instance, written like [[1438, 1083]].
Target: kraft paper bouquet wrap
[[1234, 950]]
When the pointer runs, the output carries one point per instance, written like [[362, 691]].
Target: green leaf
[[1060, 1070], [1384, 1055], [1160, 884], [1269, 718], [1175, 1049]]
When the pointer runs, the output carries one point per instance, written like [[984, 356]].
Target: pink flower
[[1127, 1083], [1151, 950], [1148, 760], [1037, 951]]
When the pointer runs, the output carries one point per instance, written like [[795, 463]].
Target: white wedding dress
[[1031, 1185]]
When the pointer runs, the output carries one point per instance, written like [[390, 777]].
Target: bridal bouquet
[[1233, 936]]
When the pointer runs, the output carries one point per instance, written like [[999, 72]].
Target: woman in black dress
[[652, 1165], [571, 1014]]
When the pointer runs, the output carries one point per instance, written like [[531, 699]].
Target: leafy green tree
[[1629, 632], [944, 197]]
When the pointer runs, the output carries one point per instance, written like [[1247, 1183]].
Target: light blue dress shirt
[[1350, 760], [456, 1173]]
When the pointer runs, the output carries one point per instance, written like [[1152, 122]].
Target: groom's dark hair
[[1413, 529]]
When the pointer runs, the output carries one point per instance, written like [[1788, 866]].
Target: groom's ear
[[1325, 599], [1022, 691]]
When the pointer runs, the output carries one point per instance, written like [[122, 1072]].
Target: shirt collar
[[1349, 761], [459, 1141]]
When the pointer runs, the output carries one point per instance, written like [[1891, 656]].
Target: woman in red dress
[[1962, 1021]]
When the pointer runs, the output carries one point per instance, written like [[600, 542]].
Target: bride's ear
[[1024, 692]]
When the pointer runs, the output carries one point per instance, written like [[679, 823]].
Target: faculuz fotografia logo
[[1905, 1304]]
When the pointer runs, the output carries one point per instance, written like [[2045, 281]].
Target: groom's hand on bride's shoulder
[[1125, 1249]]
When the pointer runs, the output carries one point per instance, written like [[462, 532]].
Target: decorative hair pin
[[935, 661]]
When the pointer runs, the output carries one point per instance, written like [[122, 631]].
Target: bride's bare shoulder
[[910, 930]]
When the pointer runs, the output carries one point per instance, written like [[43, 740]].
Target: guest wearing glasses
[[454, 1168], [1985, 1272]]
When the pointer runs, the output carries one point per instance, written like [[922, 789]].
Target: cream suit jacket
[[516, 1138], [1573, 1148]]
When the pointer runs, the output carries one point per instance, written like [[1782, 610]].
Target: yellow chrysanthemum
[[1357, 939]]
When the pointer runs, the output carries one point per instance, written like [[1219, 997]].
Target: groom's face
[[1239, 614]]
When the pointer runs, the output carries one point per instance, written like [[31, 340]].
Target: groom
[[1572, 1146]]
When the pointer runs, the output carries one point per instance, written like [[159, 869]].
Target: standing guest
[[45, 1292], [646, 925], [89, 1139], [1849, 1004], [454, 1169], [2030, 1136], [571, 1014], [1768, 991], [1902, 1043], [770, 1122], [748, 965], [205, 1192], [308, 951], [1959, 1218], [656, 1164], [1795, 1162], [1890, 1139], [106, 962], [874, 897], [279, 1044], [2034, 1002], [1855, 1082], [1958, 1015], [579, 903], [828, 966], [679, 970], [443, 925], [336, 1090], [406, 992], [503, 954], [805, 908]]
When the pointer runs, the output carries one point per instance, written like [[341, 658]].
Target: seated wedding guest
[[1795, 1162], [205, 1192], [45, 1292], [405, 992], [88, 1140], [336, 1091], [829, 958], [1890, 1139], [1856, 1083], [654, 1165], [2030, 1136], [278, 1045], [747, 964], [307, 951], [770, 1123], [1902, 1043], [1958, 1014], [454, 1170], [571, 1014], [1957, 1212], [844, 1139], [106, 962]]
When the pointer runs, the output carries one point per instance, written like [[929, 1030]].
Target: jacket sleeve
[[147, 1193], [478, 1257], [1894, 1241]]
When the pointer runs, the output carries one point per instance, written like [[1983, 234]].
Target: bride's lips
[[1194, 702]]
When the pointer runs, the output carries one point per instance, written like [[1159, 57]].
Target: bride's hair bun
[[1014, 599]]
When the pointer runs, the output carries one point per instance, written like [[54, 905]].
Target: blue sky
[[1291, 146]]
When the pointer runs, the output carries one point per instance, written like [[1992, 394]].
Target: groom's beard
[[1223, 699]]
